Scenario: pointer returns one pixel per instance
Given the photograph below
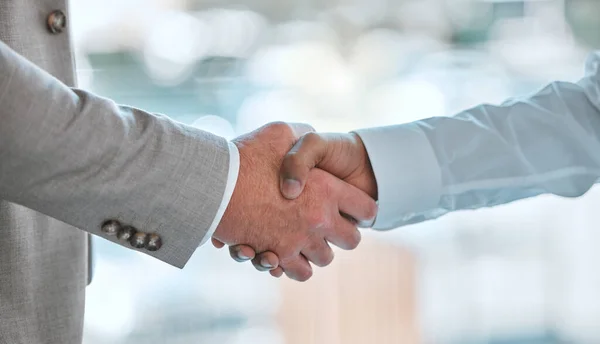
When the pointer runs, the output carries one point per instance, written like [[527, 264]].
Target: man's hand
[[342, 155], [294, 231]]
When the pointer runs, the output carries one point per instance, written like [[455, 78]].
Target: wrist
[[232, 177], [365, 176], [223, 231]]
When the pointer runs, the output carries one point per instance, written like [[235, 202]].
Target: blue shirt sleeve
[[489, 155]]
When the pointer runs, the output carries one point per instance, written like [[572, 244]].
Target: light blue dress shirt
[[548, 142]]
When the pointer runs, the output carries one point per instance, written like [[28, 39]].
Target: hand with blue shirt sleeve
[[545, 143]]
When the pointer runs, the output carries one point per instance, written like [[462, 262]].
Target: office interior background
[[526, 272]]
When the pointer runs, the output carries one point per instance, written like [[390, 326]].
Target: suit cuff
[[406, 169], [232, 175]]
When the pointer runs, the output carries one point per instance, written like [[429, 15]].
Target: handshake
[[297, 192]]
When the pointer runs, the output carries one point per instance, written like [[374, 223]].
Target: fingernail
[[291, 188], [366, 223], [242, 256], [265, 264]]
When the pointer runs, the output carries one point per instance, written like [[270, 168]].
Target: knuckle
[[317, 220], [289, 253], [286, 255], [279, 127], [323, 191], [311, 138]]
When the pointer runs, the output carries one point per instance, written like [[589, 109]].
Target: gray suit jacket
[[69, 161]]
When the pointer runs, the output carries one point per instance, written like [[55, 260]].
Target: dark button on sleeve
[[154, 242], [111, 227], [57, 21], [126, 233], [139, 240]]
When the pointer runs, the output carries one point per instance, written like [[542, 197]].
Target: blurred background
[[520, 273]]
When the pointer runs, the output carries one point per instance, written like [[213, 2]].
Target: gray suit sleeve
[[82, 159]]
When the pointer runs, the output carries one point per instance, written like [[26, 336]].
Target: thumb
[[307, 153]]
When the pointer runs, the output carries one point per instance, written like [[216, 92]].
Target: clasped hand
[[297, 192]]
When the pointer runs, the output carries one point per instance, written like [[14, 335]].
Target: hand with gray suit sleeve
[[546, 143], [142, 180], [300, 229]]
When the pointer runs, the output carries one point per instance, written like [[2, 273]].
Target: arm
[[486, 156], [83, 160], [489, 155]]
